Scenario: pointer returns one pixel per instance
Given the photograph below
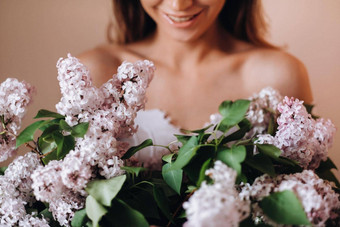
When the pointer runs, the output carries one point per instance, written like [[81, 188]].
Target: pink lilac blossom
[[31, 221], [16, 191], [217, 204], [14, 98], [48, 187], [317, 197], [113, 106], [299, 136], [110, 110], [262, 106]]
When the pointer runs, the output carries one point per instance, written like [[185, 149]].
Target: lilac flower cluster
[[113, 106], [16, 192], [14, 97], [110, 110], [299, 136], [217, 204], [317, 197], [262, 106]]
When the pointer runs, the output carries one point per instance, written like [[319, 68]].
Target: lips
[[181, 20]]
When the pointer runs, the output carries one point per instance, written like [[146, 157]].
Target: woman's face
[[183, 20]]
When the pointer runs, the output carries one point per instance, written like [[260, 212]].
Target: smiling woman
[[28, 27], [205, 50]]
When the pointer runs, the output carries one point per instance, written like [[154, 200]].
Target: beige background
[[35, 33]]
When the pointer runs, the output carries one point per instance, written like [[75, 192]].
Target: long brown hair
[[241, 18]]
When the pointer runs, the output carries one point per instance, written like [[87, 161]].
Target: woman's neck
[[183, 54]]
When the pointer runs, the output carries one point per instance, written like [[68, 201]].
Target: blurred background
[[34, 34]]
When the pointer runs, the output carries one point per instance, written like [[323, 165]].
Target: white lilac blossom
[[317, 197], [16, 192], [299, 136], [19, 173], [217, 204], [14, 98], [113, 106], [262, 106], [110, 111], [31, 221]]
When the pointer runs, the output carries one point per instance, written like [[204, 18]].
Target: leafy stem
[[167, 147], [2, 117], [180, 206]]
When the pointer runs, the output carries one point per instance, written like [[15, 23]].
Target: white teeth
[[180, 19]]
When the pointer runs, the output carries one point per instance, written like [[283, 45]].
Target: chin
[[184, 36]]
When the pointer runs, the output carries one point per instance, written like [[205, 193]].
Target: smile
[[181, 21]]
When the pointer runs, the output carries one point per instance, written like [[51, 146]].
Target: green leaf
[[121, 214], [59, 140], [46, 113], [198, 131], [168, 157], [105, 190], [2, 170], [328, 175], [201, 177], [64, 126], [233, 157], [48, 215], [28, 133], [135, 149], [173, 177], [185, 153], [269, 150], [80, 129], [244, 126], [182, 138], [140, 197], [46, 147], [326, 165], [47, 132], [193, 168], [79, 218], [284, 208], [182, 215], [233, 112], [68, 144], [133, 170], [262, 163], [309, 107], [162, 201], [324, 171], [49, 123], [271, 126], [94, 210], [51, 156], [190, 189], [287, 161]]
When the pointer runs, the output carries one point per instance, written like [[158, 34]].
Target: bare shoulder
[[280, 70], [101, 62]]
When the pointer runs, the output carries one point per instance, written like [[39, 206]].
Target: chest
[[189, 100]]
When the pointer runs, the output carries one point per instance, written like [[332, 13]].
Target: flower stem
[[179, 207]]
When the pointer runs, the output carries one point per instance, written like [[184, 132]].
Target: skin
[[199, 66]]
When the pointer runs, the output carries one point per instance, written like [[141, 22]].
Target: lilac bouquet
[[261, 161]]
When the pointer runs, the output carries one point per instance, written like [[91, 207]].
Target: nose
[[180, 4]]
